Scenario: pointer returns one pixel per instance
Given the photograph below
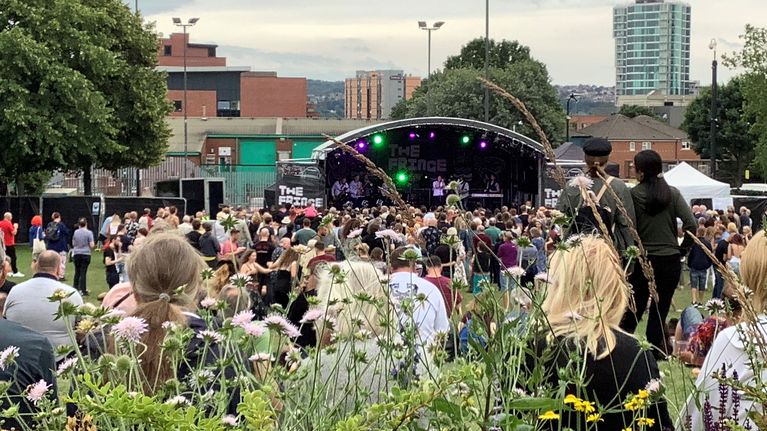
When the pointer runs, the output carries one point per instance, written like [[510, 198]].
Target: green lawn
[[677, 377]]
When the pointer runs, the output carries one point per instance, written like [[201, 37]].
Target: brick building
[[217, 90], [371, 95], [628, 136]]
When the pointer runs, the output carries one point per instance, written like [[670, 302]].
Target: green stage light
[[402, 177], [465, 139], [378, 140]]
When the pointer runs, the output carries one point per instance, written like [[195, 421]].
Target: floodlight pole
[[436, 26], [190, 23]]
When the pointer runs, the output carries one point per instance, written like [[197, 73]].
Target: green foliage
[[79, 87], [632, 111], [735, 143], [457, 92]]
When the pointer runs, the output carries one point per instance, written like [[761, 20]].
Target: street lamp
[[714, 109], [423, 26], [487, 59], [177, 22], [572, 97]]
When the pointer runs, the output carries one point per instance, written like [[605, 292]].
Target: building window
[[178, 106], [632, 146], [211, 52], [646, 145], [167, 50], [685, 145]]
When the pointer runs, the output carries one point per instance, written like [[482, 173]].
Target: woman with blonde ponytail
[[583, 307]]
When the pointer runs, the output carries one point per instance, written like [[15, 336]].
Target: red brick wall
[[196, 100], [670, 151], [195, 56], [211, 149], [271, 96]]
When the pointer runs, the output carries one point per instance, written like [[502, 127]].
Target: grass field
[[677, 377]]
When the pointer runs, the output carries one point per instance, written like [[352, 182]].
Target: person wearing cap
[[596, 152]]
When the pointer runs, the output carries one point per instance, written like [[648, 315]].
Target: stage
[[414, 153]]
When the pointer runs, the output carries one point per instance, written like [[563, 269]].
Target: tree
[[734, 147], [502, 54], [632, 111], [457, 91], [79, 88]]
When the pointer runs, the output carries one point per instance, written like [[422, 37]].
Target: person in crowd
[[536, 235], [362, 251], [508, 254], [658, 206], [193, 236], [131, 225], [5, 283], [209, 246], [172, 217], [320, 255], [186, 226], [378, 259], [36, 236], [481, 267], [429, 316], [82, 246], [438, 190], [303, 235], [146, 220], [35, 362], [492, 231], [694, 334], [452, 255], [57, 239], [699, 264], [434, 276], [583, 308], [249, 266], [112, 257], [596, 153], [286, 275], [734, 349], [8, 230], [747, 234], [231, 251], [734, 251], [28, 304]]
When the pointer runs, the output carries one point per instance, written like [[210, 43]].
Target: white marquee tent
[[694, 184]]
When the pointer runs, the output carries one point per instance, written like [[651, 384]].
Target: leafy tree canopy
[[502, 54], [79, 87], [632, 111]]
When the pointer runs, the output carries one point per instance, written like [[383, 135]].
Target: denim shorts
[[690, 319]]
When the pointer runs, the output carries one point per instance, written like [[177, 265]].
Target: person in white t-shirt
[[355, 187], [438, 189], [429, 314]]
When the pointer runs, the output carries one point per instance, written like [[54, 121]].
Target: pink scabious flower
[[254, 329], [542, 276], [516, 271], [7, 356], [581, 181], [208, 302], [209, 336], [653, 386], [278, 323], [130, 328], [230, 420], [66, 366], [261, 357], [388, 234], [115, 312], [36, 391], [243, 318], [354, 233], [311, 315]]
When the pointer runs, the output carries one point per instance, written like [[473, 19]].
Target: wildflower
[[453, 185], [631, 252], [595, 417], [36, 392], [572, 399], [542, 276], [653, 386], [239, 279], [643, 421], [311, 315], [177, 400], [210, 336], [715, 305], [208, 302], [115, 313], [85, 326], [168, 326], [388, 234], [452, 200], [643, 394], [261, 357], [59, 295], [278, 323], [585, 407], [230, 420], [243, 318], [130, 328], [549, 416], [7, 356], [516, 271], [66, 365], [207, 274], [254, 329], [581, 181], [354, 233], [201, 377]]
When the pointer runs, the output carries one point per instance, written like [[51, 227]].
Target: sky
[[331, 39]]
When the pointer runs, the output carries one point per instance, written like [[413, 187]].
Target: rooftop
[[640, 128]]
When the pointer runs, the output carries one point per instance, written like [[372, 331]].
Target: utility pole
[[487, 59], [714, 111]]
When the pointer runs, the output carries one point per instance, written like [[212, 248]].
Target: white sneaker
[[18, 275]]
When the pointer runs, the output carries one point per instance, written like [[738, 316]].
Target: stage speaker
[[203, 194]]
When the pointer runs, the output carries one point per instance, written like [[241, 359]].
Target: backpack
[[586, 222], [52, 231]]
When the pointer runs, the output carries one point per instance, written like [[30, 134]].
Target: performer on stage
[[340, 189], [356, 188], [438, 190], [492, 185]]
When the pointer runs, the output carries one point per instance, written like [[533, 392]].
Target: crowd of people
[[443, 254]]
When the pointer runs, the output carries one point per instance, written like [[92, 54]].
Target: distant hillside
[[328, 96], [592, 99]]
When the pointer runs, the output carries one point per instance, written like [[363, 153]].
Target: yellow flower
[[549, 416], [594, 417], [643, 394], [627, 429], [572, 399], [86, 325], [646, 421], [585, 407]]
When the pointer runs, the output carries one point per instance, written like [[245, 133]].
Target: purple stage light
[[412, 135], [432, 135], [361, 145], [483, 144]]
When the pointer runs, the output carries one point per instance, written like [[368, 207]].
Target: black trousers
[[667, 271], [10, 251], [81, 261], [112, 279]]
